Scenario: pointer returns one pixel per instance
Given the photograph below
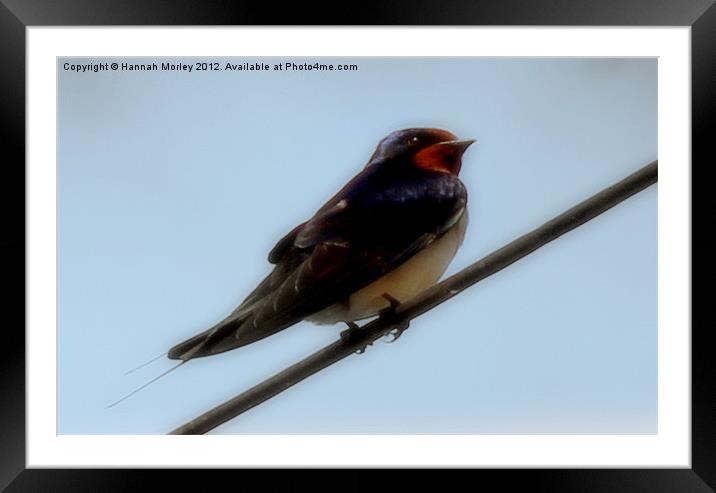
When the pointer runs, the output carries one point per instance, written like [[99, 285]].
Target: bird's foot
[[389, 312], [350, 333], [397, 331], [394, 303], [362, 349]]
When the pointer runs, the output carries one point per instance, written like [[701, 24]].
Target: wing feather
[[352, 241]]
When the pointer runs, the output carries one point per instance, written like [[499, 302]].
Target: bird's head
[[426, 148]]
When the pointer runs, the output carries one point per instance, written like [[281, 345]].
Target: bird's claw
[[389, 312], [362, 350], [397, 331], [352, 331]]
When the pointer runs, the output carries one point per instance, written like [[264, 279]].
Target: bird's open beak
[[443, 156]]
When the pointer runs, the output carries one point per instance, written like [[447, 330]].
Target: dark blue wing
[[369, 228]]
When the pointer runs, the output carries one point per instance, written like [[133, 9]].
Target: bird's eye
[[413, 140]]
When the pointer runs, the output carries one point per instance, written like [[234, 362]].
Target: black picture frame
[[17, 15]]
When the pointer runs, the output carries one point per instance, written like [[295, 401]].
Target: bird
[[384, 237]]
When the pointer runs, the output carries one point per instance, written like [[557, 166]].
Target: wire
[[425, 301]]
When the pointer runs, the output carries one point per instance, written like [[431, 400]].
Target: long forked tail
[[216, 340], [183, 350], [146, 384], [146, 363]]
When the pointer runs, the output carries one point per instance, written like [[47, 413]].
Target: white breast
[[417, 274]]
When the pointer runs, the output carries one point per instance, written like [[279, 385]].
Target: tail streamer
[[147, 384]]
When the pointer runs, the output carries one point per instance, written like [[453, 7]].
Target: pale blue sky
[[174, 186]]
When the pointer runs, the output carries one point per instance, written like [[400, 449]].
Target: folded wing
[[353, 240]]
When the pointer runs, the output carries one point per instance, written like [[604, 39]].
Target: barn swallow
[[387, 235]]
